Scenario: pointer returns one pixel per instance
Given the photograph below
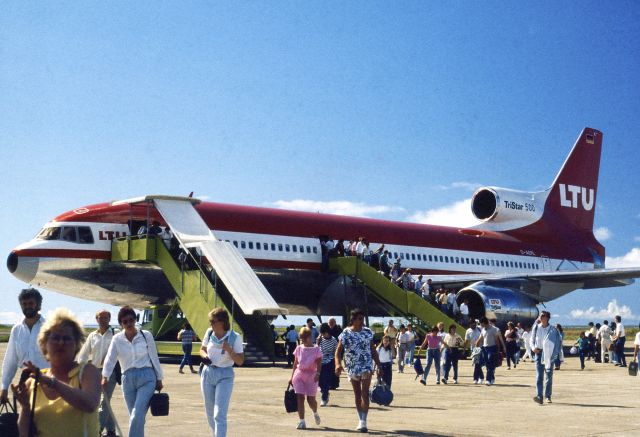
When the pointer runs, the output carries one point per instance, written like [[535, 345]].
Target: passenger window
[[413, 256], [441, 260], [243, 245], [395, 255], [235, 243], [250, 244], [472, 261], [294, 247], [273, 246], [301, 248], [401, 255], [446, 259], [84, 235], [482, 262], [315, 249], [69, 234], [258, 246], [406, 255], [280, 247], [457, 260], [308, 249], [431, 258]]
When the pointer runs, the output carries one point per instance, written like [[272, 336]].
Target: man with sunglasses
[[23, 341], [546, 343]]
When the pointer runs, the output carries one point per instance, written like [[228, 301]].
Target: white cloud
[[630, 259], [340, 207], [602, 233], [457, 214], [470, 186], [10, 317], [612, 310]]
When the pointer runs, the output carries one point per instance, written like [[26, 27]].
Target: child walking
[[385, 355], [307, 366], [328, 345], [583, 348]]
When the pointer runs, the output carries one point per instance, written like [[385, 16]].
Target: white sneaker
[[316, 416], [360, 425], [324, 403], [455, 381], [476, 381], [301, 425], [488, 383]]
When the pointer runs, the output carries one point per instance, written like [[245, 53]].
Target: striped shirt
[[187, 336], [328, 348]]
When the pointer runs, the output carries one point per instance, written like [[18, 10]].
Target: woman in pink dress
[[306, 374]]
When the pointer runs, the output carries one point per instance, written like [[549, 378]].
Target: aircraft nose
[[12, 262], [23, 268]]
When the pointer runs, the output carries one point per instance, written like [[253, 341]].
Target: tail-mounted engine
[[502, 208]]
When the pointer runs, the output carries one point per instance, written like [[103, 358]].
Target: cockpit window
[[49, 234], [72, 234], [69, 234], [85, 235]]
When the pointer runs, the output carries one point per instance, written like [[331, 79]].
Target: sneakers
[[180, 371], [548, 400], [455, 381], [301, 425], [316, 417], [537, 399], [324, 403], [423, 382], [488, 383], [362, 426], [444, 381], [477, 381]]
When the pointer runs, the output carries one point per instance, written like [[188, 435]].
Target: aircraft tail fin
[[572, 197]]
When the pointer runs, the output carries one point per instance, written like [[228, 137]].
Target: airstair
[[397, 301], [222, 278]]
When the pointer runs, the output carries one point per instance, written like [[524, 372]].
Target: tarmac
[[600, 400]]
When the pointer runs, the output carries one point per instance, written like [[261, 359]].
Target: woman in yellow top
[[68, 394]]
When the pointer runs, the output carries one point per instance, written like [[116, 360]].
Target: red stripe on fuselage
[[271, 221]]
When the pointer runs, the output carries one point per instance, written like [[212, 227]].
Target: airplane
[[529, 248]]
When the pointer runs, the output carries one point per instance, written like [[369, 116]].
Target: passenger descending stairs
[[196, 295], [397, 301]]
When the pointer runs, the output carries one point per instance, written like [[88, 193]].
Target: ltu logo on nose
[[587, 196]]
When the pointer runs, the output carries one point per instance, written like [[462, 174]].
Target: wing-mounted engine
[[501, 209], [500, 300]]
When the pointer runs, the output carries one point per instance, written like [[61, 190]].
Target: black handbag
[[159, 404], [633, 368], [290, 400], [9, 420]]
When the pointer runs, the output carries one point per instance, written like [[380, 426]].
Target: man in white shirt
[[620, 339], [604, 335], [490, 339], [546, 344], [23, 340], [94, 351], [464, 311], [470, 338]]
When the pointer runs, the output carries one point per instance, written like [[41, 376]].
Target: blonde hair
[[304, 332], [60, 318]]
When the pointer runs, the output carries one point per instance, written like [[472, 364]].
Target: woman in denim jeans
[[221, 349], [432, 341]]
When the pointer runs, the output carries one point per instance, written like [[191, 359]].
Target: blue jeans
[[217, 384], [106, 421], [387, 373], [582, 353], [411, 348], [540, 372], [186, 360], [620, 350], [489, 353], [451, 360], [433, 356], [138, 385], [326, 378]]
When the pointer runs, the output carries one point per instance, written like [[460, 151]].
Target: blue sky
[[382, 109]]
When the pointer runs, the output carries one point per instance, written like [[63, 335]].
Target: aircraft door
[[546, 263]]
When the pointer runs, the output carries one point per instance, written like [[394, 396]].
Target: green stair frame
[[398, 301], [195, 294]]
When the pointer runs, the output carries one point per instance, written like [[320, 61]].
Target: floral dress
[[357, 351]]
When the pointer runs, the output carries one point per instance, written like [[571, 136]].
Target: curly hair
[[61, 318]]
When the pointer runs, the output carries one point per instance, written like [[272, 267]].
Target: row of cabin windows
[[274, 246], [471, 261]]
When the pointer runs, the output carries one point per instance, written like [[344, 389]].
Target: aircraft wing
[[599, 278]]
